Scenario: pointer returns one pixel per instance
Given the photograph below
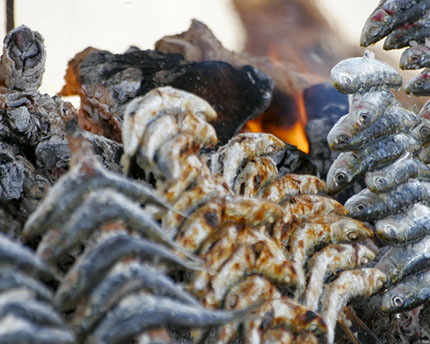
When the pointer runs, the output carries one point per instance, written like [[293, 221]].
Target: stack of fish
[[384, 142], [404, 23]]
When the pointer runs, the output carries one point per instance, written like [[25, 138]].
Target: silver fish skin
[[15, 330], [21, 303], [412, 31], [365, 108], [399, 172], [97, 261], [23, 259], [407, 294], [70, 190], [368, 206], [11, 278], [400, 262], [359, 74], [419, 85], [389, 15], [349, 284], [139, 312], [415, 57], [108, 205], [424, 154], [349, 166], [126, 278], [395, 120], [406, 227]]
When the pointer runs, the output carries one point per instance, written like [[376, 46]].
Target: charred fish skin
[[358, 74], [415, 57], [400, 262], [407, 294], [419, 85], [404, 228], [331, 260], [389, 15], [139, 312], [399, 172], [349, 284]]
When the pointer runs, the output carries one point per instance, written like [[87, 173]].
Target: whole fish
[[400, 262], [397, 173], [359, 74], [419, 85], [389, 15], [125, 278], [349, 284], [394, 120], [406, 227], [331, 260], [290, 185], [90, 267], [241, 148], [365, 108], [369, 206], [349, 166], [407, 294], [412, 31], [15, 330], [70, 190], [142, 110], [108, 205], [310, 236], [415, 57], [140, 312]]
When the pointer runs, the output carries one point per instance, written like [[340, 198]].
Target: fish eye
[[352, 235], [341, 178], [343, 139], [424, 132], [397, 301], [270, 149], [381, 181], [360, 207], [364, 260], [414, 59], [364, 117], [313, 327], [419, 84], [374, 31], [380, 282]]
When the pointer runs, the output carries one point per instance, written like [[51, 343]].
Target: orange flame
[[292, 133]]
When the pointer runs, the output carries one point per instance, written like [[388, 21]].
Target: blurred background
[[69, 26]]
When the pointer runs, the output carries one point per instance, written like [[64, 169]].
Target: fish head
[[379, 181], [200, 108], [389, 230], [346, 229], [340, 135], [419, 85], [268, 143], [376, 27], [376, 278], [412, 58], [397, 299], [344, 170], [362, 205], [422, 131], [364, 254]]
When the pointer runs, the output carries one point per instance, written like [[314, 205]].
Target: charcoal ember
[[23, 60], [11, 176], [109, 81], [293, 160]]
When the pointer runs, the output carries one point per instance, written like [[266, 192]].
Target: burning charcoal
[[108, 82]]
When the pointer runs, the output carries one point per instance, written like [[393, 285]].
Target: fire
[[289, 125]]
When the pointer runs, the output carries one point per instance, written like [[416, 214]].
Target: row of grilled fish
[[404, 23], [241, 218], [394, 162]]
